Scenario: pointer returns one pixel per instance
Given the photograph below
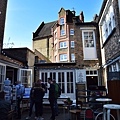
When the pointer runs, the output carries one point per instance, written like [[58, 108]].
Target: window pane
[[88, 39], [72, 44], [71, 31], [61, 21]]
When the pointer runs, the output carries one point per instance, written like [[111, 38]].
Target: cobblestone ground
[[47, 114]]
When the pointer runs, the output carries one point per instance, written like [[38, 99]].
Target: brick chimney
[[3, 6], [81, 17]]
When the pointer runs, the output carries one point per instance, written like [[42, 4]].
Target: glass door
[[65, 78]]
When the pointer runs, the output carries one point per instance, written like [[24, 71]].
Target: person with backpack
[[20, 90], [57, 94]]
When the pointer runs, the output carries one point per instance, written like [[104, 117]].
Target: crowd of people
[[37, 93]]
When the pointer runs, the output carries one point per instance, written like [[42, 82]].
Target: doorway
[[92, 81]]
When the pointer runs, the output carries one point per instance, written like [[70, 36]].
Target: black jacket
[[39, 93], [52, 92]]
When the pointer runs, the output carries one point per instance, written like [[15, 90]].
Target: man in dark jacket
[[52, 98], [39, 92]]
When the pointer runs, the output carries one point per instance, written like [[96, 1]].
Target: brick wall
[[3, 6], [112, 48], [79, 57]]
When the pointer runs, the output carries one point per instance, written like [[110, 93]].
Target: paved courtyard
[[47, 114]]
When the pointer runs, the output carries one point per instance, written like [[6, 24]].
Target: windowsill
[[91, 59], [63, 48]]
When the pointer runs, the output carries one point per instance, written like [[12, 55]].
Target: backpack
[[57, 90]]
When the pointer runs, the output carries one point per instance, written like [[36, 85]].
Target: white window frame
[[63, 44], [2, 74], [62, 78], [72, 57], [88, 41], [107, 22], [87, 50], [71, 31], [63, 57], [26, 79], [72, 44]]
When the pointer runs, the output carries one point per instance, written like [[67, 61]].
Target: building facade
[[75, 52], [109, 28]]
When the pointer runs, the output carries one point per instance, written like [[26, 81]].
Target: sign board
[[81, 76]]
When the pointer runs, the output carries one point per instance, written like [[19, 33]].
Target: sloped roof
[[44, 30], [19, 54]]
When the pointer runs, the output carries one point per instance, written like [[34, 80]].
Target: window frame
[[63, 57], [88, 41], [62, 44], [72, 31], [72, 44]]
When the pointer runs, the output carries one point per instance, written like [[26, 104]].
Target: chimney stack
[[81, 17]]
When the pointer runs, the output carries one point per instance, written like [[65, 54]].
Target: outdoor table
[[108, 107], [103, 100]]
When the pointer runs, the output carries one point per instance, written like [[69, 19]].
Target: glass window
[[73, 57], [72, 44], [63, 57], [26, 77], [63, 44], [62, 30], [2, 75], [62, 21], [88, 39], [71, 31]]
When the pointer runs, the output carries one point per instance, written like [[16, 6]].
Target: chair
[[10, 115], [89, 114], [75, 113], [25, 105], [98, 113]]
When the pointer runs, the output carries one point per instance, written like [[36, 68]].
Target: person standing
[[20, 90], [57, 94], [39, 92], [32, 101], [52, 98]]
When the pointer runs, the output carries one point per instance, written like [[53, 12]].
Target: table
[[108, 107], [103, 100]]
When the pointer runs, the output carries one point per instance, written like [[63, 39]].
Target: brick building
[[109, 28], [75, 55]]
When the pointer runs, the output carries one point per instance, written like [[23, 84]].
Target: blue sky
[[24, 17]]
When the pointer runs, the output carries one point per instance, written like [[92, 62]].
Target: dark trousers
[[18, 101], [56, 108], [32, 102], [52, 105], [38, 109]]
